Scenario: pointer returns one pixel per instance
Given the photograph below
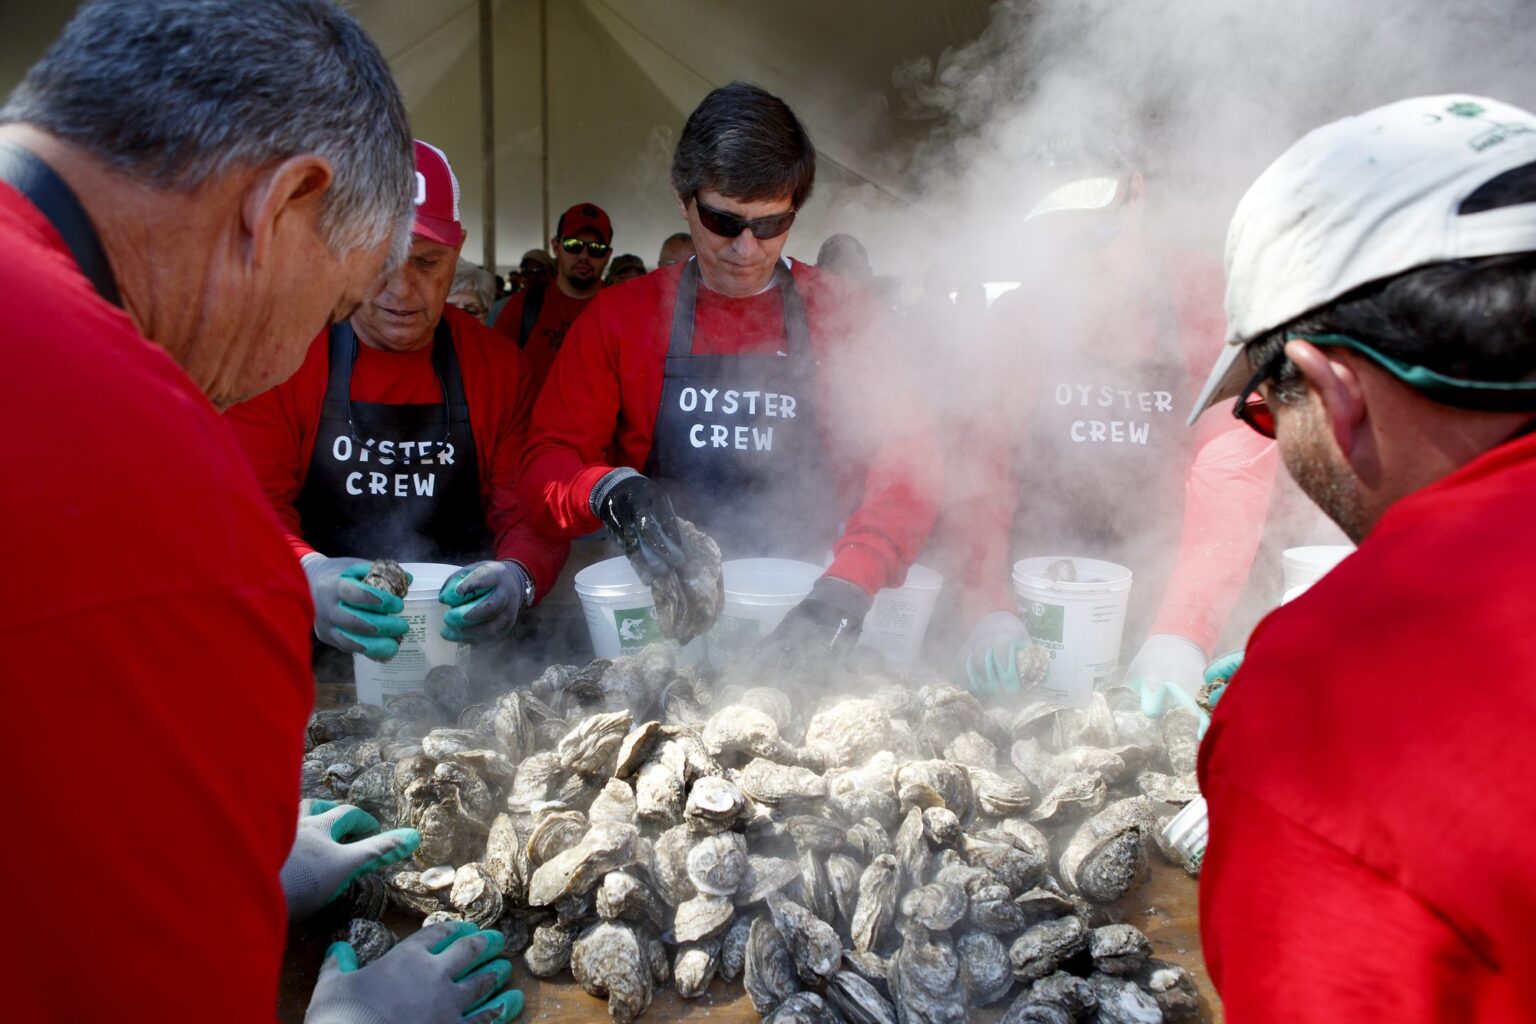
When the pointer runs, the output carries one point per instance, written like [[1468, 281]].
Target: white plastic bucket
[[1079, 623], [1189, 831], [619, 609], [1305, 566], [898, 620], [759, 592], [421, 649]]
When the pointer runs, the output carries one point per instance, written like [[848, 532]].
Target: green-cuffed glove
[[1219, 674], [333, 846], [350, 615], [990, 665], [447, 973], [1167, 670], [484, 600]]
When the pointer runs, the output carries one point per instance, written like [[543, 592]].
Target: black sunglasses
[[728, 225], [1252, 407], [597, 250]]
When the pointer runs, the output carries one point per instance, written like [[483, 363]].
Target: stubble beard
[[1315, 467]]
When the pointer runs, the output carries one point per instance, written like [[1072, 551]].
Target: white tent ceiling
[[622, 76]]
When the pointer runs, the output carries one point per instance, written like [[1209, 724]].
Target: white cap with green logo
[[1366, 198]]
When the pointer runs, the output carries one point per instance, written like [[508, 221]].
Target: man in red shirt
[[400, 437], [539, 316], [224, 201], [748, 387], [1370, 852]]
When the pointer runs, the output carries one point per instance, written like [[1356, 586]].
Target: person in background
[[1100, 344], [677, 248], [473, 289], [846, 256], [1381, 292], [535, 268], [225, 200], [625, 268], [399, 437], [743, 385], [539, 316]]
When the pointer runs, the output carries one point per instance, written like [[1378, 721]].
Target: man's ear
[[682, 206], [1337, 386], [294, 188]]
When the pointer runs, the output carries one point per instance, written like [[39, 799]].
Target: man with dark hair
[[189, 190], [748, 387], [625, 268], [1368, 785], [677, 248], [846, 256], [539, 316], [441, 404]]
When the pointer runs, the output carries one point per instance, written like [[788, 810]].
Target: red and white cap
[[1367, 198], [437, 197]]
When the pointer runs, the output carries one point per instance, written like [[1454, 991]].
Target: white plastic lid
[[920, 577], [427, 578], [612, 577], [1095, 576]]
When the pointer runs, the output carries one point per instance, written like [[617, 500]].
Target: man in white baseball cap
[[1371, 841]]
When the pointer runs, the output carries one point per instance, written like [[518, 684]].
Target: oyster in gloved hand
[[688, 600], [385, 574]]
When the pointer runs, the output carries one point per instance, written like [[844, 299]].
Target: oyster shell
[[622, 896], [733, 947], [986, 973], [1072, 994], [695, 965], [369, 939], [385, 574], [549, 952], [718, 863], [606, 846], [504, 857], [701, 918], [779, 785], [1171, 988], [1122, 1002], [609, 960], [714, 804], [592, 747], [849, 732], [937, 907], [688, 601], [802, 1008], [476, 895], [769, 974], [858, 1000], [812, 943], [924, 979], [1046, 946], [1119, 949]]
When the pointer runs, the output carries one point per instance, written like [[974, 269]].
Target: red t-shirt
[[154, 643], [604, 392], [278, 428], [1372, 851], [556, 315]]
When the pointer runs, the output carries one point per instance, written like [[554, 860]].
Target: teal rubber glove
[[1218, 675], [350, 615], [334, 845], [447, 973], [484, 600], [990, 663], [1166, 672]]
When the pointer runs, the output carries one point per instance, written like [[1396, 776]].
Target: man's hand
[[639, 516], [323, 862], [990, 663], [447, 973], [484, 601], [1167, 670], [350, 615], [816, 634]]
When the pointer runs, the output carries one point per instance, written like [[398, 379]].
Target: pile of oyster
[[897, 852]]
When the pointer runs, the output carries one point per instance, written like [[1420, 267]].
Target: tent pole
[[544, 109], [488, 136]]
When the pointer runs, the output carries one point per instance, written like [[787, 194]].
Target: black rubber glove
[[815, 636], [639, 515]]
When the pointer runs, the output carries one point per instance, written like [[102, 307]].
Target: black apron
[[1107, 454], [394, 481], [28, 174], [738, 442]]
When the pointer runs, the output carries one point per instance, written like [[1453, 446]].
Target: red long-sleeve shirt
[[1229, 477], [557, 312], [277, 429], [604, 390], [1372, 850], [154, 648]]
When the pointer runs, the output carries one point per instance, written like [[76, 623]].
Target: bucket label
[[1045, 622], [637, 627]]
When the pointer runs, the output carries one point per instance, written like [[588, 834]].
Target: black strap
[[28, 174], [343, 353], [797, 331], [533, 304]]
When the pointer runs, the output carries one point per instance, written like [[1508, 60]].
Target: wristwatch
[[528, 591]]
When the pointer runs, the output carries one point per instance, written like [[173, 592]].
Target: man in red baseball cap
[[400, 438], [539, 316]]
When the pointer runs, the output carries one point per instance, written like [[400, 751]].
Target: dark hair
[[744, 143], [681, 236], [172, 92], [1472, 318]]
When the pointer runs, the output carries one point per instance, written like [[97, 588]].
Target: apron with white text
[[737, 440], [394, 481]]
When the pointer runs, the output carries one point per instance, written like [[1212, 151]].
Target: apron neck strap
[[797, 329], [343, 350], [28, 174]]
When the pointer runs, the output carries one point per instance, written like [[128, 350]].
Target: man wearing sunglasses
[[1368, 771], [539, 316], [400, 437], [743, 386]]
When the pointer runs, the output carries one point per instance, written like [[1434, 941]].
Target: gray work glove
[[484, 600], [815, 635], [991, 656], [444, 974], [640, 517], [350, 615], [335, 845]]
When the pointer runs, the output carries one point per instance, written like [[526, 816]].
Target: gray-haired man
[[189, 191]]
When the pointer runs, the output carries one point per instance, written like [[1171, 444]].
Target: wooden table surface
[[1163, 906]]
